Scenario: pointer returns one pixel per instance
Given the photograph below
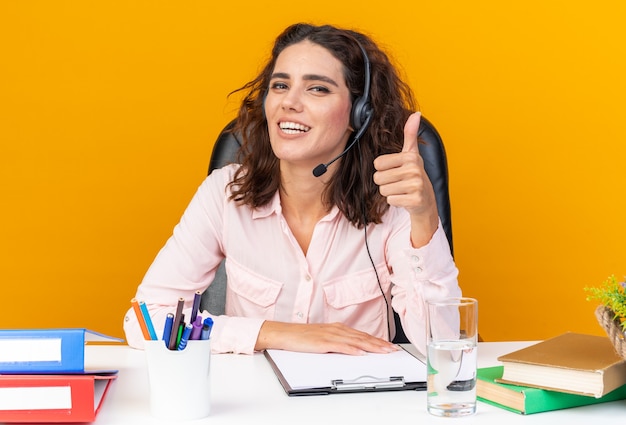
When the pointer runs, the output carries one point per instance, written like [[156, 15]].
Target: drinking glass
[[452, 348]]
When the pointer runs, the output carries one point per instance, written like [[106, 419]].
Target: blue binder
[[27, 351]]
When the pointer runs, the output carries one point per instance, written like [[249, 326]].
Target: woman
[[301, 248]]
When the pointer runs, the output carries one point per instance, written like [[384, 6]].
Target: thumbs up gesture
[[403, 181]]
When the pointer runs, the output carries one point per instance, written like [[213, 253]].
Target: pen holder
[[179, 380]]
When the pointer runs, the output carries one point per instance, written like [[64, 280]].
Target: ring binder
[[367, 382], [28, 351]]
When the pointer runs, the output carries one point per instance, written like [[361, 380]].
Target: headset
[[360, 118], [360, 115]]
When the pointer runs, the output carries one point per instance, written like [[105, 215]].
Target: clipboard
[[303, 374]]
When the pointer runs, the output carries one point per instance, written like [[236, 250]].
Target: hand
[[320, 338], [403, 181]]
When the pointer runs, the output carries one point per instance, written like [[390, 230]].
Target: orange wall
[[108, 111]]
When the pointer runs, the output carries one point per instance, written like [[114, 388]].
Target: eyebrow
[[307, 77]]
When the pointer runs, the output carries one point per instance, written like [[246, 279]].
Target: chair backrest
[[435, 163]]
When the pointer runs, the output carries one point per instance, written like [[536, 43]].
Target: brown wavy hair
[[351, 187]]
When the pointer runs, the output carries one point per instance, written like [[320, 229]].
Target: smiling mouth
[[293, 128]]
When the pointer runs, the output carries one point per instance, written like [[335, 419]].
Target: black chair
[[435, 163]]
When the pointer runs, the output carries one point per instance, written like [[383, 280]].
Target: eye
[[319, 89], [278, 85]]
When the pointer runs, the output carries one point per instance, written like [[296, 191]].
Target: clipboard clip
[[367, 382]]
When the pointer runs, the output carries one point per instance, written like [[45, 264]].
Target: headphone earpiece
[[361, 108]]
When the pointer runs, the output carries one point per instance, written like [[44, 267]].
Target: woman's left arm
[[426, 269]]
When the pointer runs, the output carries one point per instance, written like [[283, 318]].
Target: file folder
[[52, 398], [322, 374], [26, 351]]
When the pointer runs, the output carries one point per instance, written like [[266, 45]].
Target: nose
[[291, 101]]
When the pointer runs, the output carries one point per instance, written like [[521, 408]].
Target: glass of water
[[452, 341]]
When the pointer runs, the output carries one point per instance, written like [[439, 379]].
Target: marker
[[169, 321], [197, 328], [206, 328], [185, 337]]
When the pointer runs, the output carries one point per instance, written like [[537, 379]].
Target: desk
[[246, 391]]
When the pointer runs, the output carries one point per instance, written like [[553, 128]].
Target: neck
[[301, 201]]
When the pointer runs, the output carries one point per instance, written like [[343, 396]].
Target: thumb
[[411, 127]]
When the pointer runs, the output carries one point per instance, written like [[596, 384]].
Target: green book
[[529, 400]]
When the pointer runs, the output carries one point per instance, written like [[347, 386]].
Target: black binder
[[322, 374]]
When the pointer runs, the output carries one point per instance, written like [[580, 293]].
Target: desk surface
[[245, 391]]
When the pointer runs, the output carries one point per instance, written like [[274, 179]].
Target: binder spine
[[80, 404], [42, 351]]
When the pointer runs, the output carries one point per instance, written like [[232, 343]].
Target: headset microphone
[[360, 116], [321, 169]]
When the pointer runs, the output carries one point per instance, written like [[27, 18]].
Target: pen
[[206, 328], [197, 328], [146, 316], [176, 324], [196, 306], [185, 337], [140, 318], [169, 321]]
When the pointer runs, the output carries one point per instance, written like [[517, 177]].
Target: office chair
[[435, 163]]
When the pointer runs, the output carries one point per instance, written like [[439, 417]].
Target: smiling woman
[[307, 106], [300, 276]]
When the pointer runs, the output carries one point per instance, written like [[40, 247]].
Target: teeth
[[292, 127]]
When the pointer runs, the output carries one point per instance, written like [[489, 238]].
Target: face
[[307, 106]]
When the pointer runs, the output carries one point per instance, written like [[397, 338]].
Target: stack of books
[[566, 371], [43, 376]]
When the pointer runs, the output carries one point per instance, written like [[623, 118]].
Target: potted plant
[[611, 313]]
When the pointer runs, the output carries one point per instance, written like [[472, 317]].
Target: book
[[571, 362], [529, 400], [329, 373], [52, 398], [26, 351]]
